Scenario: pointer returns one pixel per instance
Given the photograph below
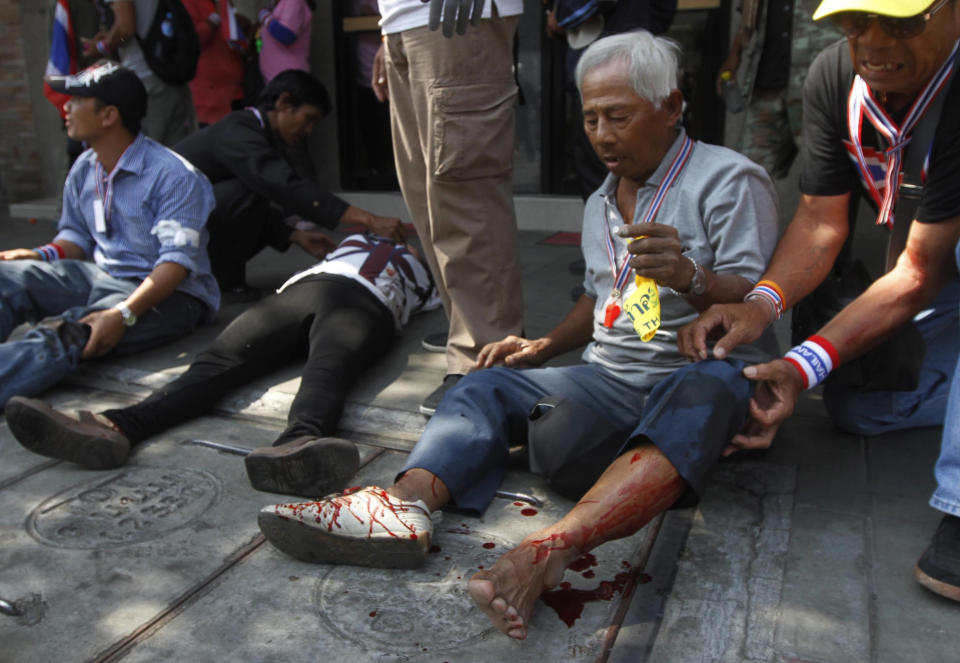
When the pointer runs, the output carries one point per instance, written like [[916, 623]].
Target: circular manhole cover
[[131, 506], [405, 611]]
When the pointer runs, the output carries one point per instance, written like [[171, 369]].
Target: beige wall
[[31, 142]]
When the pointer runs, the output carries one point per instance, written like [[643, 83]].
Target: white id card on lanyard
[[99, 220]]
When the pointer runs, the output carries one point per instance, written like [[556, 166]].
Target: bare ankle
[[418, 484], [557, 548]]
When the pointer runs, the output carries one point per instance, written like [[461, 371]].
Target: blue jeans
[[873, 413], [947, 470], [31, 290], [689, 416]]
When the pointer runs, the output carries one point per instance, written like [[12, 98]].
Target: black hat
[[110, 83]]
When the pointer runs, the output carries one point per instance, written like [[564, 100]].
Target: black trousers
[[241, 225], [337, 323]]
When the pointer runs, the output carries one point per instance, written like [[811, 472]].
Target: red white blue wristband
[[769, 292], [50, 252], [755, 296], [813, 359]]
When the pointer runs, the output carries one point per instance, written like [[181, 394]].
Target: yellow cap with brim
[[896, 8]]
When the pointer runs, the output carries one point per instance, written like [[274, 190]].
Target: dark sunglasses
[[854, 24]]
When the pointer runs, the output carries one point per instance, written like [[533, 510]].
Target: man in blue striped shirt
[[128, 268]]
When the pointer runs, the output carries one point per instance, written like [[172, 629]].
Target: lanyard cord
[[676, 167]]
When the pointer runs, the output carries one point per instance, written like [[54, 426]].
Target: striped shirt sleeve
[[72, 226], [180, 219]]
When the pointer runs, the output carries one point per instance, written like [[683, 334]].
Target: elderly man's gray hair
[[652, 62]]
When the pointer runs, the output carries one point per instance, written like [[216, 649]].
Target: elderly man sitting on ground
[[696, 223]]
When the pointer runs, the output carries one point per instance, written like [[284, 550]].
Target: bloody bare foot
[[507, 592]]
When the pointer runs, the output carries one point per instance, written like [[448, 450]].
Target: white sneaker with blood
[[368, 527]]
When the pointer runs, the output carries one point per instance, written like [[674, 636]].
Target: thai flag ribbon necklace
[[614, 301], [860, 103]]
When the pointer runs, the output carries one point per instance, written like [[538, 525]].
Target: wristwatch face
[[129, 319], [698, 284]]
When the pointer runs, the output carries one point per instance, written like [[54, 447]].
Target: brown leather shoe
[[307, 466], [85, 441]]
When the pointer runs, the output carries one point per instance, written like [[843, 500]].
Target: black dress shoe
[[939, 567], [430, 403], [436, 342]]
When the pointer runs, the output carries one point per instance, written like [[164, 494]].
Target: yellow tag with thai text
[[643, 308]]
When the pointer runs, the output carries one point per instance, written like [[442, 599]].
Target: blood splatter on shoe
[[368, 527]]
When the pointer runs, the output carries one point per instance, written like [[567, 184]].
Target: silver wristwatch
[[698, 283], [129, 319]]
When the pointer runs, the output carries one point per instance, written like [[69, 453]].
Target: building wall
[[30, 163]]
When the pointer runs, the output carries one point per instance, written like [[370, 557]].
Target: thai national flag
[[63, 53], [876, 164], [230, 27]]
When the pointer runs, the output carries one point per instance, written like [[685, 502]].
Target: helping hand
[[389, 227], [454, 11], [740, 322], [313, 242], [514, 351], [106, 330], [772, 404]]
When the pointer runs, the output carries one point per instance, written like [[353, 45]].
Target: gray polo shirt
[[724, 208]]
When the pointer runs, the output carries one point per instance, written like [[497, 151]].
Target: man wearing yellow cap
[[880, 120]]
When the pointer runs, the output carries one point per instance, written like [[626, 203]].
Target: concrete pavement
[[801, 554]]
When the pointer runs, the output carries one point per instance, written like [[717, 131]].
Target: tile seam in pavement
[[833, 512], [147, 629], [26, 474], [741, 612], [610, 637], [123, 646], [372, 458], [662, 566], [753, 601], [870, 546]]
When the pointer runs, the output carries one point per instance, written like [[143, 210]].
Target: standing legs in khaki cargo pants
[[452, 116]]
